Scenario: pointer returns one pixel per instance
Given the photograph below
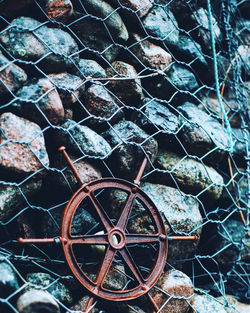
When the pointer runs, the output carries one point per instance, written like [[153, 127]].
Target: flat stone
[[12, 197], [155, 116], [127, 91], [70, 87], [12, 77], [36, 301], [128, 140], [90, 68], [99, 103], [66, 180], [200, 133], [27, 39], [8, 281], [191, 175], [181, 215], [22, 149], [149, 55], [58, 10], [161, 24], [200, 18], [176, 285], [54, 287], [40, 102], [80, 139], [205, 304]]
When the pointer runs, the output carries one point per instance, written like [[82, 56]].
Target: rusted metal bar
[[194, 237], [142, 168]]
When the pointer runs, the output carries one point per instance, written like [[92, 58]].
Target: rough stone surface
[[83, 221], [232, 233], [231, 305], [58, 10], [36, 301], [47, 282], [175, 284], [149, 55], [12, 76], [126, 137], [8, 281], [161, 24], [155, 117], [35, 44], [205, 304], [26, 154], [140, 7], [200, 133], [190, 175], [81, 139], [66, 180], [101, 104], [12, 197], [128, 91], [70, 87], [40, 102], [90, 68], [187, 50], [241, 141], [200, 18]]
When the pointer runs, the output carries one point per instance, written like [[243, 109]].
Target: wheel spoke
[[105, 266], [132, 266], [101, 212], [123, 219], [141, 238], [95, 239]]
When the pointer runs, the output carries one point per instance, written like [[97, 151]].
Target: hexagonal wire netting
[[110, 81]]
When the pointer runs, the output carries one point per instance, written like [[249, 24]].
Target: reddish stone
[[150, 55], [26, 153], [177, 287], [129, 91], [59, 10], [141, 7]]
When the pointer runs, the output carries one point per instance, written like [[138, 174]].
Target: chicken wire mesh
[[110, 81]]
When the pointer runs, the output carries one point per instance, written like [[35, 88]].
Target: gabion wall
[[111, 80]]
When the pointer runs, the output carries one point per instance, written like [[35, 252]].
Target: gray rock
[[191, 176], [231, 232], [66, 180], [26, 153], [90, 68], [127, 91], [179, 80], [176, 285], [241, 141], [12, 197], [70, 87], [206, 304], [203, 35], [83, 221], [140, 7], [201, 134], [29, 40], [36, 301], [181, 215], [95, 36], [189, 51], [101, 104], [80, 139], [154, 117], [40, 102], [12, 76], [8, 280], [46, 282], [149, 55], [161, 24], [128, 140]]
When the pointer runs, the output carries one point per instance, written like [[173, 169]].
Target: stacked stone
[[111, 80]]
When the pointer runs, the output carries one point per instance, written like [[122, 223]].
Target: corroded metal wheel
[[115, 238]]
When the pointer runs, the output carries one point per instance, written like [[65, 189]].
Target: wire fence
[[111, 81]]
